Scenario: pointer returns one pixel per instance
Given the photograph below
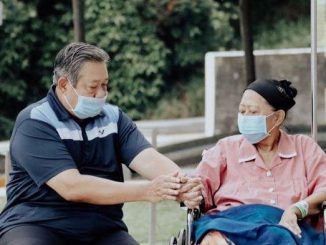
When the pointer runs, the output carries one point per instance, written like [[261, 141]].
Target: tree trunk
[[78, 19], [247, 40], [1, 12]]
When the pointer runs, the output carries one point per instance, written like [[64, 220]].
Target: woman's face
[[254, 104]]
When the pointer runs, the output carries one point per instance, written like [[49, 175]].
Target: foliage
[[156, 47], [27, 48], [183, 100], [150, 42], [285, 35]]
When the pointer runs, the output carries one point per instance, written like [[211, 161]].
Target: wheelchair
[[185, 234]]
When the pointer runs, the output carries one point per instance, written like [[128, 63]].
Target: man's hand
[[164, 187], [290, 220], [190, 192]]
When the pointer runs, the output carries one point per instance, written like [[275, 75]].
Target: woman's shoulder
[[230, 141], [301, 139]]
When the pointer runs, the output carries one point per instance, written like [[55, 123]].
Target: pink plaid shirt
[[233, 173]]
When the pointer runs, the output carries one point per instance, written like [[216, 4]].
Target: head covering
[[279, 94]]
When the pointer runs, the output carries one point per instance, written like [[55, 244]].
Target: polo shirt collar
[[60, 111], [286, 148]]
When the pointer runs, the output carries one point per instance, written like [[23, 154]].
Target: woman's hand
[[163, 187], [190, 192], [290, 220], [213, 238]]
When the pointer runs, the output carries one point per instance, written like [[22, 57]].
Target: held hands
[[164, 187], [290, 220], [176, 187], [190, 192]]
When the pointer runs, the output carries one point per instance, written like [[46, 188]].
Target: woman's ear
[[280, 117]]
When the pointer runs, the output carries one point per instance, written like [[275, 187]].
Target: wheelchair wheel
[[181, 240], [173, 241]]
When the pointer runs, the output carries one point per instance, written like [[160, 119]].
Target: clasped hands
[[178, 187]]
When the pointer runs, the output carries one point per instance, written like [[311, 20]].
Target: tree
[[247, 40], [78, 19]]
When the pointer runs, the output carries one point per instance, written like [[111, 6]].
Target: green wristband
[[303, 206]]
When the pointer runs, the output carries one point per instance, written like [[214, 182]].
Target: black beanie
[[279, 94]]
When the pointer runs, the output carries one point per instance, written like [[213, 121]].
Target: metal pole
[[152, 217], [313, 35]]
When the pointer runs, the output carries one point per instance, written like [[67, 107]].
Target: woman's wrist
[[301, 209]]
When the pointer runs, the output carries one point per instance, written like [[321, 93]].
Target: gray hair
[[71, 58]]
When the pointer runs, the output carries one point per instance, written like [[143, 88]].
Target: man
[[66, 184]]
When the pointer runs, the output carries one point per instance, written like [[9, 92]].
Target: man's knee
[[30, 235], [119, 237]]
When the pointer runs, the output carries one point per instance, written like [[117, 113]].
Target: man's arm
[[76, 187], [149, 163]]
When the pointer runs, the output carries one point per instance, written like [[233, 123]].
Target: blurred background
[[159, 51], [157, 48]]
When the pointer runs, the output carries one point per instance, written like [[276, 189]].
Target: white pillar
[[210, 94]]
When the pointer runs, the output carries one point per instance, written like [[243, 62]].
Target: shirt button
[[271, 189], [273, 202], [268, 173]]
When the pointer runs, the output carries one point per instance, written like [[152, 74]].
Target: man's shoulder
[[112, 112], [29, 111]]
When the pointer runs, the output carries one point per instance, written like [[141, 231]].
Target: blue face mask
[[253, 128], [87, 106]]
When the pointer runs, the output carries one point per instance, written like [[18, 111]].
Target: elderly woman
[[259, 185]]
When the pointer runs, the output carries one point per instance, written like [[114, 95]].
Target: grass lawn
[[170, 218]]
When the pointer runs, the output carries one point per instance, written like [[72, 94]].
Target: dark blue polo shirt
[[46, 141]]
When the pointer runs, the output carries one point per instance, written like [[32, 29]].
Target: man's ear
[[280, 117], [62, 84]]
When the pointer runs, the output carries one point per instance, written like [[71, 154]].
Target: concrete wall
[[293, 65]]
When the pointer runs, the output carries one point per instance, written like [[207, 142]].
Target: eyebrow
[[96, 81], [246, 105]]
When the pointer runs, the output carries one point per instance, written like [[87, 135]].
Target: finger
[[172, 179], [197, 188], [293, 227], [168, 197], [169, 185], [175, 173], [296, 229], [195, 179], [196, 195], [170, 192], [191, 187], [181, 175], [186, 187], [184, 179], [191, 205]]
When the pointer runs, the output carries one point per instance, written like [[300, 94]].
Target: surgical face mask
[[254, 128], [87, 106]]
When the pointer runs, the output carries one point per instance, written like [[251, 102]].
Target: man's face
[[92, 82]]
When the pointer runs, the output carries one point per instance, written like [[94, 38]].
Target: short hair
[[71, 58]]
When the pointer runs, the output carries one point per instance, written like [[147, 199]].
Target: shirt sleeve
[[131, 140], [210, 169], [315, 161], [37, 148]]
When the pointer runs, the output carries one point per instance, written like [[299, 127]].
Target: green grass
[[170, 218]]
